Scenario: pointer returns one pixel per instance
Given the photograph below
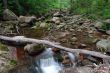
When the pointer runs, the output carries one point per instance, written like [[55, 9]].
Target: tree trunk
[[5, 4]]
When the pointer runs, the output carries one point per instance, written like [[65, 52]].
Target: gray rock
[[107, 21], [9, 15], [23, 24], [26, 19], [108, 32], [57, 14], [44, 25], [34, 49], [56, 20], [77, 70], [74, 39], [103, 45], [98, 25]]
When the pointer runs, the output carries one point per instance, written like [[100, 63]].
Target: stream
[[46, 63]]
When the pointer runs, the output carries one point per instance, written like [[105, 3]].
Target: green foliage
[[3, 47], [106, 26], [34, 6], [97, 8], [13, 62]]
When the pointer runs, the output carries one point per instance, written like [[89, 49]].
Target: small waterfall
[[46, 63], [72, 58]]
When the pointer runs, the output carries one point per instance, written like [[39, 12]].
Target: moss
[[3, 47], [13, 62]]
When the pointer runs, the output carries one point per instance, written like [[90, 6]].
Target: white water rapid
[[46, 62]]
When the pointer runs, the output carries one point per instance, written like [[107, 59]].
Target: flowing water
[[72, 58], [46, 63]]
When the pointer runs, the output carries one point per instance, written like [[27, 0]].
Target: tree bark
[[5, 4], [17, 41]]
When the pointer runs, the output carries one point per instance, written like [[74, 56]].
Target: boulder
[[98, 25], [9, 15], [74, 39], [103, 45], [56, 20], [108, 32], [107, 21], [26, 19], [34, 49]]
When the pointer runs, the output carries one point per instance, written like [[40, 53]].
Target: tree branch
[[20, 40]]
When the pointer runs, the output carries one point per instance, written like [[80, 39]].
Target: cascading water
[[46, 63], [72, 58]]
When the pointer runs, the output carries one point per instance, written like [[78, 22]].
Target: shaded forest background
[[93, 9]]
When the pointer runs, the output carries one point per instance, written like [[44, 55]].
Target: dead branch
[[23, 41]]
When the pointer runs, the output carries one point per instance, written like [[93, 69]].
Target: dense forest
[[92, 8], [54, 36]]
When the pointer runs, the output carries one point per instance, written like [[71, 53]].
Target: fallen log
[[20, 40]]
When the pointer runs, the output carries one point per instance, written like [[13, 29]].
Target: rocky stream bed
[[74, 31]]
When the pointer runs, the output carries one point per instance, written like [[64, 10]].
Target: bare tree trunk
[[5, 4]]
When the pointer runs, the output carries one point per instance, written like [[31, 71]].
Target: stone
[[44, 25], [26, 19], [61, 25], [74, 39], [83, 69], [57, 14], [104, 68], [56, 20], [9, 15], [86, 62], [107, 21], [103, 45], [98, 25], [56, 50], [82, 46], [108, 32], [34, 49], [23, 24]]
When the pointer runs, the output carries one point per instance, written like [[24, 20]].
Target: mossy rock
[[34, 49]]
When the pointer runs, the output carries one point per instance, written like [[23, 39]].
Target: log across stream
[[46, 60]]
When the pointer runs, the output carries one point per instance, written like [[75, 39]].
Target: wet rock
[[8, 15], [103, 45], [66, 62], [27, 19], [98, 25], [56, 50], [34, 49]]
